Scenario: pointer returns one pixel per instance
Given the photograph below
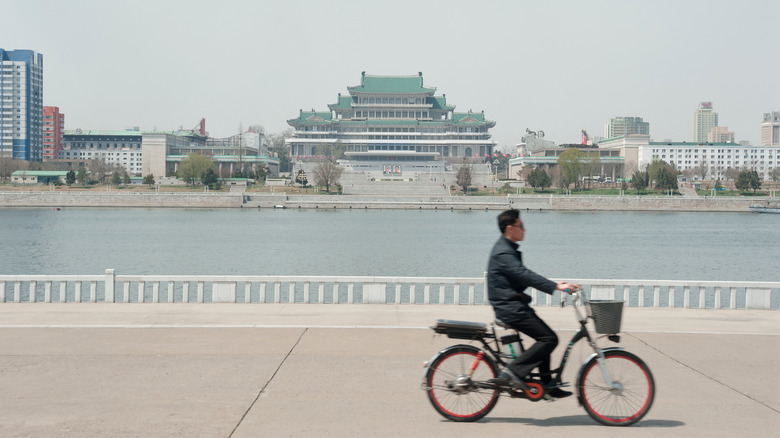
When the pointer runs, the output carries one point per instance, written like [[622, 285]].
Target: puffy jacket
[[507, 279]]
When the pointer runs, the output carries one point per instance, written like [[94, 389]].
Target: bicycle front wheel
[[626, 399], [451, 390]]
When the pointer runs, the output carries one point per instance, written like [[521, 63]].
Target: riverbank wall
[[283, 200]]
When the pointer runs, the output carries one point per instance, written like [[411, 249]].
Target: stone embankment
[[406, 202]]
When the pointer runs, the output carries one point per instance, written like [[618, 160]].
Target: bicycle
[[615, 387]]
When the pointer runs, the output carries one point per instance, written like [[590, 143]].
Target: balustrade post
[[170, 291], [109, 284], [670, 298], [733, 298], [398, 293], [156, 292], [718, 291], [291, 293], [47, 292], [126, 292], [306, 286], [412, 294], [471, 293], [33, 288], [321, 293], [63, 291], [17, 292], [248, 292], [185, 292], [262, 292], [201, 287], [77, 295], [351, 293], [141, 287], [702, 296], [456, 294], [2, 291], [687, 297], [427, 294], [277, 292], [441, 293], [93, 291]]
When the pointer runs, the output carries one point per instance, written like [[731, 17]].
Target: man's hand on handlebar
[[567, 287]]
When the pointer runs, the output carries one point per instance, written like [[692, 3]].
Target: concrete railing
[[113, 288]]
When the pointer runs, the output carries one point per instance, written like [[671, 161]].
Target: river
[[609, 245]]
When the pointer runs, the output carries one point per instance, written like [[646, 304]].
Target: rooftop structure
[[704, 119], [618, 126], [392, 120], [770, 129]]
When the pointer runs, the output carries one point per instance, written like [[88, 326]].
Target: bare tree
[[463, 177], [326, 174], [99, 169]]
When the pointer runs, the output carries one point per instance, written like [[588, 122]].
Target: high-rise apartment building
[[620, 126], [53, 132], [21, 104], [720, 134], [704, 119], [770, 129]]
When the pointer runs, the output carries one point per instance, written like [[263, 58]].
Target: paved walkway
[[307, 370]]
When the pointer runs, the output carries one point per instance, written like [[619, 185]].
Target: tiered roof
[[392, 85]]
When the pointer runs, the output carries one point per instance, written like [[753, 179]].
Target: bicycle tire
[[450, 390], [616, 407]]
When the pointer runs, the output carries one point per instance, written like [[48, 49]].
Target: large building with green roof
[[392, 120]]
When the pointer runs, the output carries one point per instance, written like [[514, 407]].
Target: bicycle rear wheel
[[452, 392], [622, 405]]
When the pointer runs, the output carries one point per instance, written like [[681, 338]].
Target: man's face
[[516, 231]]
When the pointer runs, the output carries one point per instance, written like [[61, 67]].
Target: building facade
[[618, 126], [704, 119], [21, 105], [770, 129], [720, 134], [53, 132], [120, 148], [392, 119], [716, 158]]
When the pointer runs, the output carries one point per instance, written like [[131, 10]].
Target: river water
[[609, 245]]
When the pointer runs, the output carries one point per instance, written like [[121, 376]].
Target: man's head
[[511, 225]]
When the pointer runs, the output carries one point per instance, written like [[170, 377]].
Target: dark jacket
[[507, 278]]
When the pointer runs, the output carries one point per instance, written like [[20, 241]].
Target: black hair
[[507, 218]]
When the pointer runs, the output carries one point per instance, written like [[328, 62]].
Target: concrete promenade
[[310, 370]]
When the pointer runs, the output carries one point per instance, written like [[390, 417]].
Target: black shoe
[[558, 393]]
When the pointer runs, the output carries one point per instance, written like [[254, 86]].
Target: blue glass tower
[[21, 105]]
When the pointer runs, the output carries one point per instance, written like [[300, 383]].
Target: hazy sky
[[556, 66]]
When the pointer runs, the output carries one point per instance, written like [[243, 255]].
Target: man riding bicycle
[[507, 279]]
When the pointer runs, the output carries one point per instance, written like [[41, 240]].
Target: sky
[[555, 66]]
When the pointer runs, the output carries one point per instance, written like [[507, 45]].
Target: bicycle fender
[[588, 359], [446, 350]]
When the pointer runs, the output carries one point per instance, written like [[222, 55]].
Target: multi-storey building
[[618, 126], [770, 129], [704, 119], [720, 134], [120, 148], [21, 104], [53, 132], [392, 121], [141, 153], [715, 158]]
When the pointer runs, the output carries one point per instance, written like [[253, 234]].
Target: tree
[[743, 181], [99, 169], [126, 178], [81, 175], [700, 171], [639, 181], [463, 177], [591, 165], [260, 174], [539, 178], [731, 174], [70, 177], [662, 175], [193, 166], [116, 179], [278, 149], [775, 173], [326, 174], [334, 151], [570, 163], [149, 180], [8, 166], [755, 181], [210, 179]]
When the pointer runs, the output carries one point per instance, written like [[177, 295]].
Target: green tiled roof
[[313, 117], [102, 132], [440, 102], [40, 173], [392, 85], [345, 102]]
